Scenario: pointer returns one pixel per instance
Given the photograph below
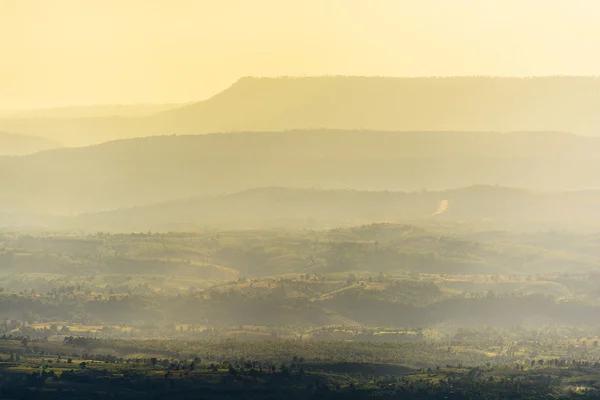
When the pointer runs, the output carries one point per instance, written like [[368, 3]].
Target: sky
[[82, 52]]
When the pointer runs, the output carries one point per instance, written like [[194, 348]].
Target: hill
[[454, 103], [316, 209], [156, 169], [11, 144], [266, 104]]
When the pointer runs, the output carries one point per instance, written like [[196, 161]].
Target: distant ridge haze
[[276, 207], [500, 104], [90, 111], [11, 144], [126, 173]]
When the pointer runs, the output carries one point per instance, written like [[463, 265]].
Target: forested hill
[[259, 104], [156, 169]]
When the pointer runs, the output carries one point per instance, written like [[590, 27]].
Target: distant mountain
[[93, 111], [454, 103], [83, 125], [150, 170], [263, 104], [311, 208], [12, 144]]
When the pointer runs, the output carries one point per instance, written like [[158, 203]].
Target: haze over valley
[[299, 199]]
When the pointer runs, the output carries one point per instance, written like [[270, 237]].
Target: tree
[[351, 279]]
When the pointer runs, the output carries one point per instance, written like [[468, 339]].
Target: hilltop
[[376, 103]]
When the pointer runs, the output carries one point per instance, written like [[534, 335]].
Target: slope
[[316, 209], [453, 103], [259, 104], [156, 169]]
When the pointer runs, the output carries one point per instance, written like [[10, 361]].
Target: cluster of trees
[[281, 307], [224, 372]]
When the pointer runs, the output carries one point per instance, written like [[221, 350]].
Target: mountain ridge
[[148, 170], [376, 103], [280, 207]]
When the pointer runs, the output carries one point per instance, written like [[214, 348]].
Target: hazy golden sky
[[63, 52]]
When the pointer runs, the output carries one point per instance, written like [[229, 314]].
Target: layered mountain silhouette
[[278, 207], [98, 111], [260, 104], [12, 144], [132, 172]]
